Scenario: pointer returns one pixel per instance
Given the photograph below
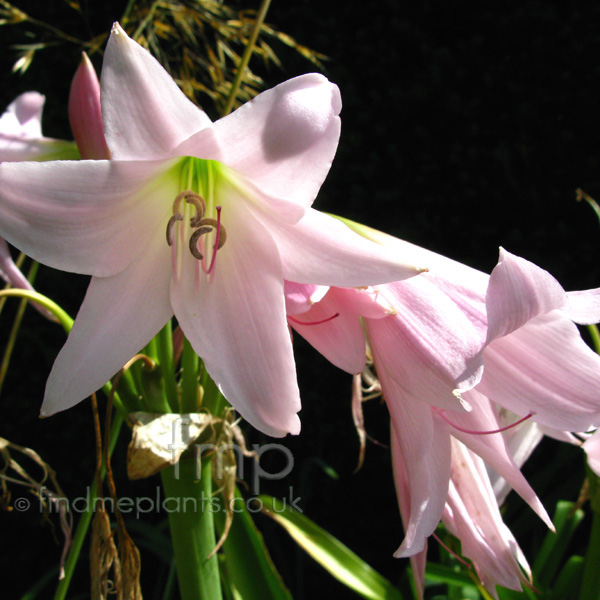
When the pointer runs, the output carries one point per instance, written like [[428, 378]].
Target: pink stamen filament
[[442, 414], [213, 258], [314, 322], [459, 558]]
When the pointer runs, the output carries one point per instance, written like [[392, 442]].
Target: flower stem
[[260, 17], [189, 378], [164, 352], [63, 318], [14, 332], [192, 529]]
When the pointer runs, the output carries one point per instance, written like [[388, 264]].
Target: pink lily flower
[[198, 219], [21, 133], [472, 515], [21, 139], [461, 349]]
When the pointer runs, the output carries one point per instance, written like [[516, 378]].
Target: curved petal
[[90, 217], [284, 140], [145, 114], [520, 442], [493, 450], [583, 307], [472, 515], [526, 371], [207, 146], [592, 449], [421, 461], [9, 270], [235, 321], [321, 250], [299, 297], [517, 292], [428, 343], [118, 317], [340, 338], [23, 116]]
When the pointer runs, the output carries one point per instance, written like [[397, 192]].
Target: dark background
[[466, 126]]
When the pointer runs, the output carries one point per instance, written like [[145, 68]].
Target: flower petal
[[91, 217], [493, 450], [421, 460], [299, 297], [583, 307], [284, 140], [321, 250], [526, 371], [338, 338], [9, 270], [235, 321], [472, 515], [145, 114], [518, 291], [592, 449], [23, 116], [118, 317], [85, 114], [428, 343]]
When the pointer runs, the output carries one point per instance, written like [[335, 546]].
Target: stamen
[[194, 241], [220, 239], [179, 198], [207, 225], [170, 224], [200, 204], [442, 414], [456, 556], [314, 322]]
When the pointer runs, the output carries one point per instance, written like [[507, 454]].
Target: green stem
[[590, 585], [593, 329], [63, 318], [164, 351], [85, 519], [14, 330], [189, 379], [192, 529], [260, 17]]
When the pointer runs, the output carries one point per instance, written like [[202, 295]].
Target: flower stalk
[[188, 494]]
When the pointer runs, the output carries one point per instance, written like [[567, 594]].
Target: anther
[[200, 204], [214, 224], [194, 241], [170, 224], [206, 226], [179, 198]]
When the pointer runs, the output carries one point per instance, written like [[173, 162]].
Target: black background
[[466, 126]]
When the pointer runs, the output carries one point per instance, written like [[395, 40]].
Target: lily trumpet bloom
[[457, 350], [198, 219]]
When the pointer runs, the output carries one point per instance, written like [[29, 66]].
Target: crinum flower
[[198, 219]]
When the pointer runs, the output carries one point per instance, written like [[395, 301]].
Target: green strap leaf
[[247, 568], [547, 564], [330, 553]]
